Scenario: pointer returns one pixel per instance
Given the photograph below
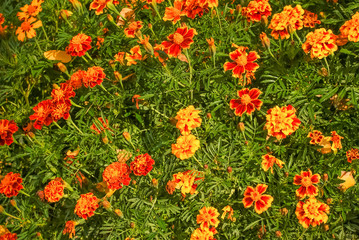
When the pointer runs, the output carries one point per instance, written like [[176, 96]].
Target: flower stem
[[74, 104], [326, 62], [74, 125], [296, 35], [37, 43], [191, 72], [104, 89], [24, 193], [57, 125], [197, 161], [8, 214]]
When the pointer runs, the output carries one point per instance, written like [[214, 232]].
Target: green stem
[[326, 62], [37, 43], [74, 104], [57, 125], [197, 161], [296, 35], [43, 29], [21, 191], [74, 125], [8, 214], [154, 4], [191, 72], [159, 112], [219, 20], [104, 89]]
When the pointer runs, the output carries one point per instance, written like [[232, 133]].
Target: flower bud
[[119, 212], [13, 202], [132, 224], [41, 195], [229, 169], [283, 211], [278, 234], [241, 126], [155, 182], [127, 136], [329, 200], [118, 76], [106, 204], [209, 116], [205, 166], [325, 177], [65, 13], [265, 40], [110, 18], [62, 67], [105, 140], [76, 4], [326, 227], [1, 209], [265, 20]]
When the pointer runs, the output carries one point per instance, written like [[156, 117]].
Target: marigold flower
[[11, 185], [171, 187], [27, 29], [31, 10], [211, 46], [202, 234], [94, 76], [103, 125], [42, 114], [243, 63], [188, 119], [145, 41], [79, 45], [54, 190], [350, 28], [256, 9], [310, 19], [174, 13], [261, 202], [86, 205], [336, 141], [132, 29], [311, 212], [135, 54], [306, 180], [70, 228], [7, 129], [290, 19], [100, 41], [8, 236], [269, 161], [316, 137], [248, 101], [228, 209], [281, 122], [2, 18], [65, 14], [77, 79], [181, 39], [62, 93], [119, 57], [99, 5], [142, 164], [208, 216], [185, 147], [136, 98], [184, 181], [61, 110], [320, 43], [116, 175], [352, 154], [349, 180]]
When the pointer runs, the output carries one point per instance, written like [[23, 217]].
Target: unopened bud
[[127, 136], [119, 212], [105, 140], [76, 4], [241, 126], [118, 76], [283, 211], [229, 169], [326, 227], [205, 166], [13, 202], [329, 200], [106, 204], [62, 67], [155, 182], [132, 224], [265, 20], [325, 177], [278, 234], [134, 182], [209, 116], [110, 18], [150, 26], [264, 39]]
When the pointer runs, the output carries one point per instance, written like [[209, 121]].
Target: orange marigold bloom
[[103, 125], [202, 234], [79, 45], [132, 29], [310, 19], [316, 137], [185, 147], [184, 181], [86, 205], [119, 57], [337, 144], [135, 55], [94, 76], [100, 41], [174, 13], [243, 63], [306, 180], [171, 187], [256, 9], [31, 10], [352, 154], [62, 93], [188, 119], [228, 209], [269, 161], [27, 29], [320, 43], [208, 216], [42, 114], [77, 79], [136, 98], [142, 164], [11, 185], [99, 5], [8, 236], [281, 122], [70, 228], [7, 129], [54, 190], [350, 28], [116, 175], [248, 101], [289, 20], [61, 110], [181, 39], [261, 202], [311, 212]]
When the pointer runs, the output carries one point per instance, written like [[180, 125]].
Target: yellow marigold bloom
[[350, 29], [208, 216], [312, 212], [228, 209], [320, 43], [188, 119], [281, 122], [185, 147], [349, 180], [203, 234]]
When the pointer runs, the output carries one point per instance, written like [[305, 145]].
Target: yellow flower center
[[25, 26], [178, 38], [246, 99], [312, 209], [255, 196], [306, 182], [242, 60]]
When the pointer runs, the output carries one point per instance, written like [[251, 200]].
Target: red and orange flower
[[31, 10], [104, 125], [7, 129], [99, 5], [116, 175], [86, 205], [352, 154], [316, 137], [208, 216], [11, 185], [336, 139], [133, 29], [135, 54], [54, 190], [174, 13], [307, 181], [94, 76], [42, 115], [312, 212], [185, 147], [269, 161], [310, 19], [181, 39], [281, 122], [203, 234], [142, 164], [256, 10], [8, 236], [70, 228], [188, 119], [350, 29], [248, 101], [186, 181], [255, 196], [320, 43], [79, 45], [243, 63], [27, 29], [77, 79]]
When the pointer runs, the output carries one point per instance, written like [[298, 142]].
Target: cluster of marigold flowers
[[186, 181], [328, 144], [2, 21]]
